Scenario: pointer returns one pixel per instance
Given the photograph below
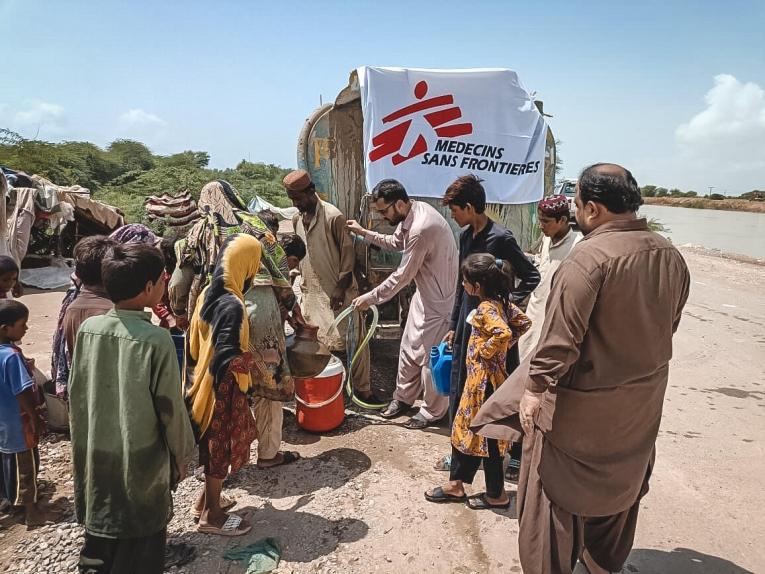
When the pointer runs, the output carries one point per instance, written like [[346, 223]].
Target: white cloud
[[43, 117], [138, 117], [730, 130], [37, 112]]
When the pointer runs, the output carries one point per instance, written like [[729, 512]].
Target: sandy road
[[354, 503]]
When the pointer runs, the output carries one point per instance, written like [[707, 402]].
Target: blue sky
[[673, 90]]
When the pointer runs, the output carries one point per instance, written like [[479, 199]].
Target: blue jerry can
[[441, 368]]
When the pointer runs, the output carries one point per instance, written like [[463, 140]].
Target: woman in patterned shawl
[[270, 301], [219, 342]]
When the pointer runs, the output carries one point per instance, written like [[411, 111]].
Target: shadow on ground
[[330, 469], [302, 536], [679, 561]]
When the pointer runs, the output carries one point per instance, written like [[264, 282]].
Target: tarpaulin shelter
[[40, 217]]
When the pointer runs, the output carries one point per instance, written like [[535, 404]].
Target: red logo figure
[[390, 141]]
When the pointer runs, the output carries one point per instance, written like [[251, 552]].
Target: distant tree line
[[126, 171], [654, 191]]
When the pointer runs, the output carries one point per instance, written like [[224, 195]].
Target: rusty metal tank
[[330, 148]]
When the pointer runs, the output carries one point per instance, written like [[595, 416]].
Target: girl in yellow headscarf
[[219, 340]]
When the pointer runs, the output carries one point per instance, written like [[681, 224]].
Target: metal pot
[[307, 356]]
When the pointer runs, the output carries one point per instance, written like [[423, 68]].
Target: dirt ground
[[355, 503]]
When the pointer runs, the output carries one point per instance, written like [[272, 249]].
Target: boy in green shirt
[[131, 435]]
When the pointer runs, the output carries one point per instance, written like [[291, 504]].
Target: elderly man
[[328, 285], [595, 384], [430, 259]]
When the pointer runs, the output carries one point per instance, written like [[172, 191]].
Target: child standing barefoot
[[497, 326], [21, 423]]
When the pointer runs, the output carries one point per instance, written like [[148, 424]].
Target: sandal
[[225, 504], [229, 528], [287, 458], [480, 502], [512, 474], [417, 422], [444, 463], [438, 495]]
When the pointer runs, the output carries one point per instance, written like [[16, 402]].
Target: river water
[[730, 231]]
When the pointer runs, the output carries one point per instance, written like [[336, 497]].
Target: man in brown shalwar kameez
[[592, 392]]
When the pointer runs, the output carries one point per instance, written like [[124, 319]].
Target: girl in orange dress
[[497, 326]]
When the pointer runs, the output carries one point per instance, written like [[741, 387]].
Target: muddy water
[[730, 231]]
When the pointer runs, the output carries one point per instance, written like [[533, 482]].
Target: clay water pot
[[307, 356]]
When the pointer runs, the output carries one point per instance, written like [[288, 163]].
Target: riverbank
[[355, 504], [701, 203]]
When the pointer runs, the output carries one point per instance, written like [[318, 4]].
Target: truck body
[[331, 149]]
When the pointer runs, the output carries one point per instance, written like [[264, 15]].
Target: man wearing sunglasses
[[430, 260]]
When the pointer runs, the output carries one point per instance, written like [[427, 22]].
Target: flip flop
[[439, 496], [225, 504], [479, 502], [287, 458], [229, 528], [512, 474], [417, 422], [444, 463]]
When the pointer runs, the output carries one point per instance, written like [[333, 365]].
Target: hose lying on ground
[[354, 349]]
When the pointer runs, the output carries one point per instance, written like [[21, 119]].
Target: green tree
[[131, 155], [648, 191], [662, 192], [127, 172], [187, 159]]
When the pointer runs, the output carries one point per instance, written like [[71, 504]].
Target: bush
[[127, 172]]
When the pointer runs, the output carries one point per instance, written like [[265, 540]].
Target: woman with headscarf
[[269, 302], [218, 344], [60, 360]]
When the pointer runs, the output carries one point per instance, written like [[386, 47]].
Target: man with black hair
[[430, 260], [131, 435], [594, 389], [93, 299]]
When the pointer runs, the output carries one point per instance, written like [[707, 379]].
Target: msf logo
[[441, 120]]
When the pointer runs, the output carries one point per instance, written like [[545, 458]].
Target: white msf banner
[[425, 128]]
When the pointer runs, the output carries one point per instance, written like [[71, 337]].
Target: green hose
[[354, 356]]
